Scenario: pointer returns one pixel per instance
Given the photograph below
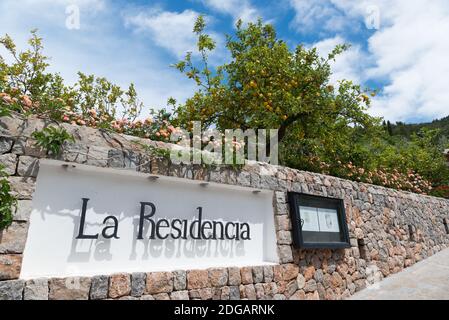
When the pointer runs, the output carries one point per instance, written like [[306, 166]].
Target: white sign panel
[[319, 219], [328, 220], [310, 219], [88, 221]]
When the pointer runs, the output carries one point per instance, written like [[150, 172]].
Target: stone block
[[119, 285], [285, 253], [10, 265], [180, 295], [11, 125], [284, 237], [260, 291], [131, 159], [268, 273], [197, 279], [244, 179], [310, 286], [5, 145], [289, 271], [257, 274], [300, 281], [298, 295], [235, 278], [74, 288], [23, 210], [218, 277], [28, 147], [161, 296], [225, 293], [281, 209], [138, 283], [99, 287], [128, 298], [277, 273], [28, 166], [247, 275], [159, 282], [202, 294], [234, 293], [291, 288], [336, 280], [97, 156], [270, 289], [11, 290], [22, 187], [179, 280], [9, 163], [12, 239], [116, 159], [36, 289], [250, 292], [283, 223], [74, 153]]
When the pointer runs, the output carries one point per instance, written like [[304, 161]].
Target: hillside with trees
[[406, 130]]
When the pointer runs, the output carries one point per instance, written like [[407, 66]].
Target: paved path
[[426, 280]]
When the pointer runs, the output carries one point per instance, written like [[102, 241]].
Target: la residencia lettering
[[198, 229]]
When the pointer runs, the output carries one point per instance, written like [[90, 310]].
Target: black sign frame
[[301, 199]]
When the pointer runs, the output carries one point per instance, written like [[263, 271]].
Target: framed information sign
[[318, 222]]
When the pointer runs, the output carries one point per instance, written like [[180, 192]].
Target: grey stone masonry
[[99, 287], [28, 166], [179, 280], [13, 238], [5, 145], [9, 163], [138, 284], [11, 290], [23, 210], [389, 230], [74, 288], [36, 289]]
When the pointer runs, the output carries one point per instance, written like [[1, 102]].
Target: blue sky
[[398, 46]]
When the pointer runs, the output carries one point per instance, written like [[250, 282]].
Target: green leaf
[[52, 139]]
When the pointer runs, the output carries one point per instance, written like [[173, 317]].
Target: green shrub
[[7, 201], [52, 138]]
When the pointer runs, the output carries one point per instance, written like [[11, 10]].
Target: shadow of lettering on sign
[[188, 248], [98, 248]]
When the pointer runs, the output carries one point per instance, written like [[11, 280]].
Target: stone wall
[[389, 230]]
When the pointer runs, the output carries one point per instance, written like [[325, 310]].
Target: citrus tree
[[266, 84]]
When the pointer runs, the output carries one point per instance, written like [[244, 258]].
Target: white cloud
[[321, 13], [101, 47], [346, 65], [173, 31], [408, 52], [411, 52], [169, 30], [238, 9]]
